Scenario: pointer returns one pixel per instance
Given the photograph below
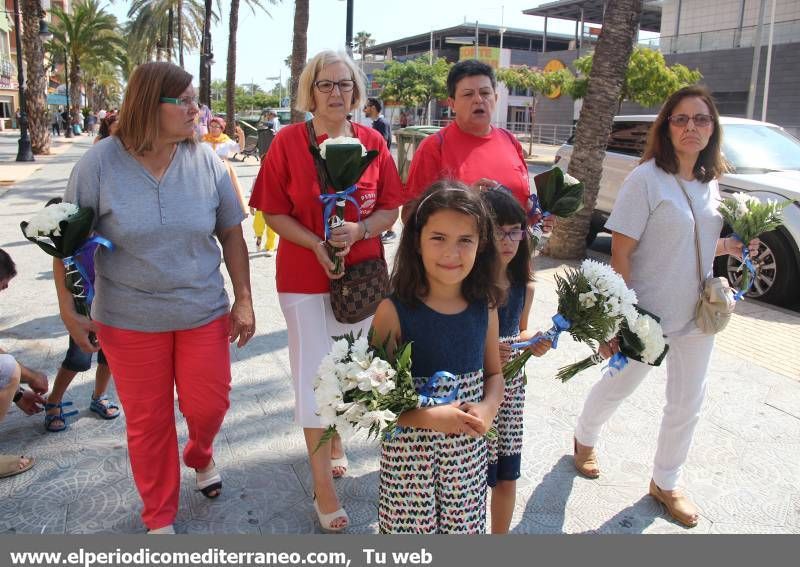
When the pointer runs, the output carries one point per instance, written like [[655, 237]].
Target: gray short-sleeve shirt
[[164, 273], [652, 209]]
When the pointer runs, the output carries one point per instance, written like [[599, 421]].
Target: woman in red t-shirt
[[287, 191]]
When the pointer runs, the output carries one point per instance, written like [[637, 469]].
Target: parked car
[[765, 162]]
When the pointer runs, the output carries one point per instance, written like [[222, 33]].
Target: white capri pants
[[687, 365], [311, 324]]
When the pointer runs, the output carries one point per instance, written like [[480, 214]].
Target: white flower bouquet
[[358, 389], [63, 230], [344, 161], [748, 218], [592, 303], [640, 338]]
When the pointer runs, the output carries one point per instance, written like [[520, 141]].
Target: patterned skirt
[[432, 482], [506, 449]]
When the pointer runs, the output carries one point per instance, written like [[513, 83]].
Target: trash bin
[[408, 140], [265, 137]]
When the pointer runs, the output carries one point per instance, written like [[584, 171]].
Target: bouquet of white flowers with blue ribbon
[[592, 302], [357, 388], [749, 218]]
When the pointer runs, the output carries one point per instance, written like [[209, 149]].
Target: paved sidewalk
[[742, 469]]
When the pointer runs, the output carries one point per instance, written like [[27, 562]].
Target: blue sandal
[[103, 410], [60, 416]]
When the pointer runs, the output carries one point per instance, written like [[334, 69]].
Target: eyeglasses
[[514, 235], [345, 85], [184, 101], [700, 120]]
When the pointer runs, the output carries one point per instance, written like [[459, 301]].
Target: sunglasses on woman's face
[[700, 120]]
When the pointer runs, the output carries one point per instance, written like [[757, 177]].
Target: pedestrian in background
[[161, 313]]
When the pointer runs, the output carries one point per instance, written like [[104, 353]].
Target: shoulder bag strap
[[696, 237], [321, 175]]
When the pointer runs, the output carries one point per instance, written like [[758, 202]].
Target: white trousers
[[687, 365], [310, 324]]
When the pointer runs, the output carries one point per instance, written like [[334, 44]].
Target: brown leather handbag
[[356, 295]]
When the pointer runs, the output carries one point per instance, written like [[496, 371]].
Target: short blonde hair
[[305, 86]]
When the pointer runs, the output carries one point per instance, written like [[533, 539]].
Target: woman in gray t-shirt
[[160, 311], [653, 248]]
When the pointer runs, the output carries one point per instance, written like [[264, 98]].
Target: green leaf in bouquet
[[555, 196], [344, 164], [569, 202], [329, 434]]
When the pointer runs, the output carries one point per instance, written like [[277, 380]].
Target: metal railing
[[554, 134], [785, 32]]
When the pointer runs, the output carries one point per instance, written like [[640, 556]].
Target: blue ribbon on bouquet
[[537, 209], [560, 324], [747, 264], [616, 363], [83, 261], [426, 397], [329, 203]]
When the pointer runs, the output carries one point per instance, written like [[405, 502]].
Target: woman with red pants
[[161, 312]]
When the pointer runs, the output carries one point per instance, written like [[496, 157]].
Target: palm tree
[[233, 28], [152, 26], [362, 41], [103, 84], [610, 64], [299, 52], [88, 33], [36, 79]]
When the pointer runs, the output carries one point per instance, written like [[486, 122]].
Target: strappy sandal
[[325, 520], [585, 460], [339, 464], [49, 419], [210, 482], [104, 409], [9, 465]]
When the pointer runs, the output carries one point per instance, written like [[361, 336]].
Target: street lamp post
[[68, 133], [25, 152]]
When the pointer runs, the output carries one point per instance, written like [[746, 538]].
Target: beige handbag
[[716, 301]]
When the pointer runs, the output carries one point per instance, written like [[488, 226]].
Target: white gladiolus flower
[[587, 299], [340, 141], [46, 221], [379, 418], [569, 180], [360, 351]]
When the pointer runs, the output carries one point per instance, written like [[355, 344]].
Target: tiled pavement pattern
[[742, 470]]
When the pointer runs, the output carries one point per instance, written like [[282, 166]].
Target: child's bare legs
[[63, 379], [504, 496], [320, 461]]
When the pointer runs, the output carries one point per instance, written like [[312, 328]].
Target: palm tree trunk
[[205, 51], [36, 83], [75, 88], [299, 52], [180, 33], [611, 58], [230, 86], [170, 34]]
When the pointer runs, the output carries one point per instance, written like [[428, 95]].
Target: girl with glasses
[[516, 276]]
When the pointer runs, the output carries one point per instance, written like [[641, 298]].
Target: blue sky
[[265, 41]]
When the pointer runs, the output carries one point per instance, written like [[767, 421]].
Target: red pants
[[147, 368]]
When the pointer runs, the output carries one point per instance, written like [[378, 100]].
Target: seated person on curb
[[11, 374]]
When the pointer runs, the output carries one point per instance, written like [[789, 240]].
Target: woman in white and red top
[[287, 191]]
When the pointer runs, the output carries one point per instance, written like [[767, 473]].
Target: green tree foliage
[[415, 82], [247, 98], [648, 80], [536, 82], [362, 41], [161, 29]]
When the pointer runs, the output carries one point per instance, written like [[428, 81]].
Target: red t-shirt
[[454, 154], [287, 184]]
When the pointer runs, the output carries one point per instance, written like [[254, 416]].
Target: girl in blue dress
[[444, 293], [516, 276]]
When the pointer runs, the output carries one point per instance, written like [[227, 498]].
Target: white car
[[766, 164]]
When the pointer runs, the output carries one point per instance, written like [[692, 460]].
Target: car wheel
[[776, 270]]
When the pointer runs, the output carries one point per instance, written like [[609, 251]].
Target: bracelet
[[18, 395]]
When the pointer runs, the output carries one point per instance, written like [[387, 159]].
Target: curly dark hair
[[409, 280], [468, 68], [7, 267], [710, 164], [505, 210]]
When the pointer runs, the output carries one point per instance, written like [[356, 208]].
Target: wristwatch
[[18, 395]]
